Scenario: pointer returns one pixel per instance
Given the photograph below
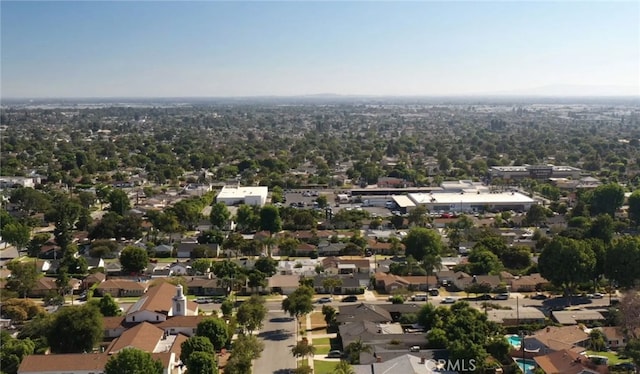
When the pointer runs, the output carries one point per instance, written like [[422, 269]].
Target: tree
[[354, 349], [634, 207], [36, 242], [482, 261], [418, 216], [597, 340], [16, 234], [299, 303], [62, 283], [132, 361], [343, 367], [303, 349], [64, 214], [108, 306], [267, 265], [331, 283], [12, 351], [20, 310], [606, 199], [632, 350], [536, 214], [201, 363], [118, 201], [270, 219], [226, 308], [518, 257], [251, 313], [256, 279], [245, 349], [622, 261], [195, 344], [134, 259], [75, 329], [24, 276], [421, 242], [188, 212], [246, 218], [329, 314], [567, 262], [216, 330], [602, 228], [201, 266], [219, 215]]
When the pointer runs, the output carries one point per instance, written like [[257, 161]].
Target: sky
[[56, 49]]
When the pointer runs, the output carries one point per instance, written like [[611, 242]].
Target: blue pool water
[[527, 366], [515, 341]]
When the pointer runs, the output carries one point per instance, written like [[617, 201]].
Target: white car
[[502, 296], [597, 295], [448, 300]]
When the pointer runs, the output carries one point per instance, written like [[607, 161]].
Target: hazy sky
[[184, 48]]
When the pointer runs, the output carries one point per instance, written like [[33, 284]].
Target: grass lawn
[[323, 367], [320, 341], [612, 356], [127, 299], [323, 345]]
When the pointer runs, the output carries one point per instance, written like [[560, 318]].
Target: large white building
[[472, 202], [538, 172], [234, 195]]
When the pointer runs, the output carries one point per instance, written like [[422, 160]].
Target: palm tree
[[354, 349], [343, 367], [303, 349], [430, 262]]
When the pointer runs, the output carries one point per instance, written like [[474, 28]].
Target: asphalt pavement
[[279, 336]]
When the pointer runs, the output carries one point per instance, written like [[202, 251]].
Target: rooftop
[[470, 198]]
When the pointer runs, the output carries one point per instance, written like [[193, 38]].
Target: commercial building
[[234, 195], [537, 172], [472, 202]]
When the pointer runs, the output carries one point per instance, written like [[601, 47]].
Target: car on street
[[448, 300], [334, 354], [350, 299], [324, 300], [539, 296], [419, 297], [502, 296], [434, 292], [596, 295]]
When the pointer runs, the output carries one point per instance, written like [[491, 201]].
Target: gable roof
[[159, 299], [63, 363], [363, 312], [144, 336], [563, 362], [122, 284], [559, 338]]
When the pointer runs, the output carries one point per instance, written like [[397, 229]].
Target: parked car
[[502, 296], [448, 300], [434, 292], [350, 299], [539, 296], [334, 354], [419, 297], [414, 348], [597, 295], [324, 300]]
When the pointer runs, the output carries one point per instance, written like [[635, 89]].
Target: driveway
[[278, 335]]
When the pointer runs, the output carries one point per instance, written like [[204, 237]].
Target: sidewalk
[[369, 296]]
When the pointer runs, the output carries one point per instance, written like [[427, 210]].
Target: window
[[157, 318], [178, 307], [133, 318]]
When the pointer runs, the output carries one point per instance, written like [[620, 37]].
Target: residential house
[[121, 288], [383, 248], [305, 249], [47, 285], [552, 339], [587, 317], [180, 268], [389, 283], [283, 284], [163, 250], [363, 312], [94, 263], [408, 363], [113, 268], [445, 277], [303, 266], [336, 265], [95, 278], [527, 283], [348, 284], [568, 362], [513, 317], [184, 249], [43, 265], [74, 363], [614, 337], [380, 334], [463, 280], [206, 287], [330, 249]]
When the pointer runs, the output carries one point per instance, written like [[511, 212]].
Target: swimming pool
[[514, 340], [529, 365]]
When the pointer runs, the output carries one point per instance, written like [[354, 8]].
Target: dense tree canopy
[[567, 262], [132, 361], [134, 259], [75, 329]]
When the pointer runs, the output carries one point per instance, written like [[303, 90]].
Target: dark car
[[334, 354], [539, 296], [434, 292], [350, 299]]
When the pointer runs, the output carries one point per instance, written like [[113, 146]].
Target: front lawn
[[323, 367], [612, 356]]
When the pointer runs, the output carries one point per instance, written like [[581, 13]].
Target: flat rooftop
[[471, 198], [240, 192]]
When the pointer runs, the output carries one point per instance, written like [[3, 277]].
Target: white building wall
[[146, 315]]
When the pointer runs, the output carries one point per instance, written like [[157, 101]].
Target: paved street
[[278, 335]]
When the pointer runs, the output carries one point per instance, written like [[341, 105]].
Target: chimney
[[422, 361]]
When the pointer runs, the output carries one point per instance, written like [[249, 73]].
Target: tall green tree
[[24, 276], [421, 242], [64, 214], [606, 199], [634, 207], [622, 261], [354, 349], [567, 262], [216, 330], [219, 215], [270, 219], [202, 363], [299, 303], [343, 367], [134, 259], [108, 306], [195, 344], [132, 361], [118, 201], [75, 329], [12, 351], [16, 234], [251, 313]]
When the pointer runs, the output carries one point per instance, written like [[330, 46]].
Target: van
[[419, 297]]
